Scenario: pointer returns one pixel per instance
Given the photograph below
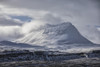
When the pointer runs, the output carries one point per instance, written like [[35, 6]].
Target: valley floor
[[84, 62]]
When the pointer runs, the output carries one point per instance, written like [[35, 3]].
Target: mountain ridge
[[64, 33]]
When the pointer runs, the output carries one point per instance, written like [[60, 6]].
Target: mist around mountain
[[59, 45], [58, 37], [60, 34]]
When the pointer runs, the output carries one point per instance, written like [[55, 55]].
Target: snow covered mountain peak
[[63, 24], [59, 34]]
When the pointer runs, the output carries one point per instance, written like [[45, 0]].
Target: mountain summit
[[59, 34]]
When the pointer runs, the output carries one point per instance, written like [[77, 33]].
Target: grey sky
[[84, 14]]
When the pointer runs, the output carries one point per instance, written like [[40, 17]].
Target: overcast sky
[[18, 16]]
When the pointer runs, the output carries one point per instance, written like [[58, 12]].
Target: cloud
[[9, 32], [36, 23], [6, 21], [33, 25], [98, 29], [51, 19], [22, 18], [79, 12]]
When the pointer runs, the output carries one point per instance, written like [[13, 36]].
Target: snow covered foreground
[[25, 58], [25, 55], [93, 62]]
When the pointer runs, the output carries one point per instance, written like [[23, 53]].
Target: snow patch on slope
[[64, 33]]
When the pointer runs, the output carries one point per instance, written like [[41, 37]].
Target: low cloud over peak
[[80, 13]]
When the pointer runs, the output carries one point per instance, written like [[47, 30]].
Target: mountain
[[13, 44], [59, 34], [9, 45], [62, 37]]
